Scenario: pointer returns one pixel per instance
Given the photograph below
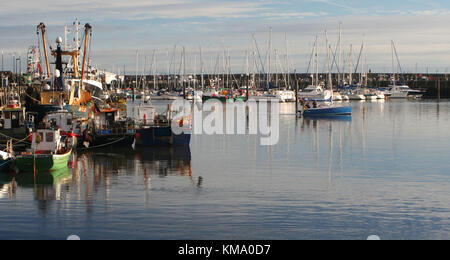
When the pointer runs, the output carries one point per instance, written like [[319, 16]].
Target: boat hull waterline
[[328, 111], [42, 162]]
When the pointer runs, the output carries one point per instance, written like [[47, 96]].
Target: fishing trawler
[[49, 151], [69, 126], [74, 87], [13, 120], [107, 128], [153, 129]]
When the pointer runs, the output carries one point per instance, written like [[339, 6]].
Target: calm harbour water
[[385, 172]]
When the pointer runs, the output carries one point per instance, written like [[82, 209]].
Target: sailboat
[[394, 90], [329, 108], [315, 92]]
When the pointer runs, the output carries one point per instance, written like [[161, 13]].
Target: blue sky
[[419, 28]]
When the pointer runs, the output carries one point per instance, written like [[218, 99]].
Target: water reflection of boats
[[343, 118], [165, 160], [106, 159], [159, 159], [7, 186], [44, 178], [169, 153]]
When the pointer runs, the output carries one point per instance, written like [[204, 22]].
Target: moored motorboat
[[330, 110], [380, 95], [49, 151], [371, 96], [315, 93]]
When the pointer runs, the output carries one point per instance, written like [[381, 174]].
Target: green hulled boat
[[49, 151], [241, 98], [220, 98], [43, 162]]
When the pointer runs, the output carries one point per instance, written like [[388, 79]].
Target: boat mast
[[316, 60], [276, 68], [393, 64], [86, 37], [201, 69], [168, 69], [351, 65], [174, 68], [41, 27], [65, 37], [154, 69], [184, 72], [137, 67], [330, 83], [287, 78], [269, 76], [340, 53]]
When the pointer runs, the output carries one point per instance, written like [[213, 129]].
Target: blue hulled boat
[[328, 111], [153, 129]]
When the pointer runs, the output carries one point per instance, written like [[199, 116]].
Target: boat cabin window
[[69, 121], [7, 115], [49, 137]]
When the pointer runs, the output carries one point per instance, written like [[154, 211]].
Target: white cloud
[[421, 35], [19, 13]]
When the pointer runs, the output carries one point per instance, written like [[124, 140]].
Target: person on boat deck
[[308, 105], [315, 104]]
